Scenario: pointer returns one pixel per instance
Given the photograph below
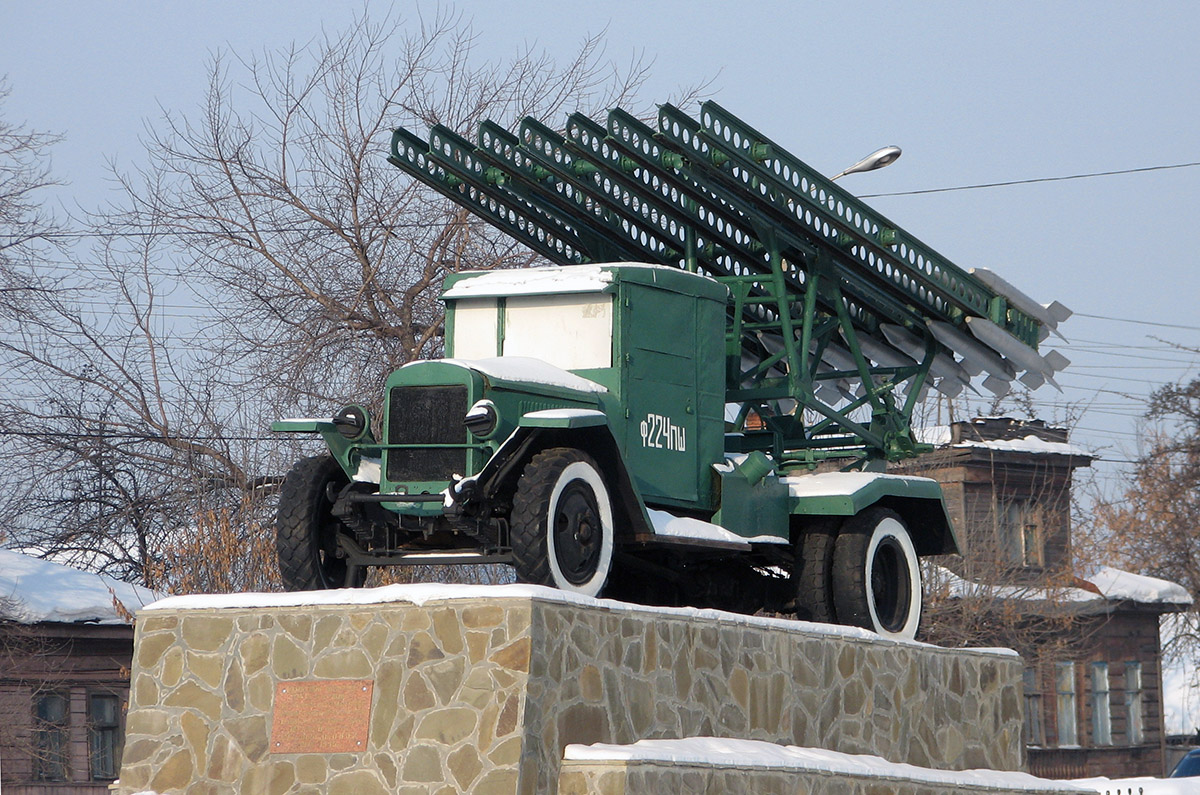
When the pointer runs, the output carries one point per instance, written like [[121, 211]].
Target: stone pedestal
[[649, 777], [473, 688]]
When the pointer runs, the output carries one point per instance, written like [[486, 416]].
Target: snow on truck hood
[[522, 368]]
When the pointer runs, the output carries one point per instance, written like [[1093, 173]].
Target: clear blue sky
[[973, 92]]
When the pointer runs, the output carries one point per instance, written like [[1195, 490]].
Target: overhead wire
[[1031, 181]]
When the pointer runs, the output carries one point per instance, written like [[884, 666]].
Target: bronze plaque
[[325, 717]]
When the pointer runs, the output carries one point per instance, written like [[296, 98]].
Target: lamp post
[[877, 159]]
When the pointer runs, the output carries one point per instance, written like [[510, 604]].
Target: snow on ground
[[1142, 785], [34, 590], [725, 752]]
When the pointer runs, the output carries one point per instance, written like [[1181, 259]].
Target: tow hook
[[458, 493]]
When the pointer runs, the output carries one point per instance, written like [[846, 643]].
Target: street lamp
[[877, 159]]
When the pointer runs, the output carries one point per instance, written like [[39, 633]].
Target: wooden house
[[1089, 633], [65, 654]]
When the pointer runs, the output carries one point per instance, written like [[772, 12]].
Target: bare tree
[[1151, 527], [318, 260], [120, 437], [25, 224], [306, 265]]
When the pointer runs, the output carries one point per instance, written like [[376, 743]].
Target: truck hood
[[520, 370]]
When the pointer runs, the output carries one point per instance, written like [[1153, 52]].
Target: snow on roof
[[423, 593], [1125, 585], [1114, 585], [533, 281], [590, 278], [34, 591], [727, 752], [524, 368], [939, 436]]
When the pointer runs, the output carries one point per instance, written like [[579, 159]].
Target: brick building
[[1090, 638], [65, 653]]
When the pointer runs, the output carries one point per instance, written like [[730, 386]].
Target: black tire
[[812, 574], [306, 531], [562, 523], [876, 575]]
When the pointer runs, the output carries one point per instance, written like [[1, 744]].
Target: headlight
[[352, 422], [482, 419]]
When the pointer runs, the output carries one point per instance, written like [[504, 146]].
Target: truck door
[[662, 401]]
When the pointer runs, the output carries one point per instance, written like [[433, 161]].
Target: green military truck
[[696, 408]]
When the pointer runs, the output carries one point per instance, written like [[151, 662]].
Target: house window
[[104, 735], [1034, 733], [1064, 688], [1021, 532], [51, 726], [1133, 703], [1101, 711]]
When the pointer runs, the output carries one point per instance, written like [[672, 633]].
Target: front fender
[[584, 430]]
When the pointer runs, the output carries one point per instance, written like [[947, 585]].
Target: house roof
[[1106, 584], [941, 436], [34, 591]]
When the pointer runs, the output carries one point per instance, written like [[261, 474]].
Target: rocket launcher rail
[[839, 319]]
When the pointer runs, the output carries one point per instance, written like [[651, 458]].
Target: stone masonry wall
[[651, 778], [480, 690], [618, 677]]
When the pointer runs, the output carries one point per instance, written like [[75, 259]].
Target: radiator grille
[[426, 415]]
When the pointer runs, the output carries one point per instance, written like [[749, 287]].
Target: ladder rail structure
[[839, 320]]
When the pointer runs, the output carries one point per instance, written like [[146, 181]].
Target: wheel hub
[[889, 585], [575, 538]]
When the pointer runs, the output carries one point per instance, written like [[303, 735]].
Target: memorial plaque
[[321, 717]]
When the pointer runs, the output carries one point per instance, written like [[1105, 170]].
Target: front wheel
[[562, 523], [306, 530], [876, 575]]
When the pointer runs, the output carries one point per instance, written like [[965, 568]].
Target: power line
[[1030, 181], [393, 226], [239, 233], [1138, 322]]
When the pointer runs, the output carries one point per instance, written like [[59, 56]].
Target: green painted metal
[[809, 268], [570, 422], [665, 397], [871, 492]]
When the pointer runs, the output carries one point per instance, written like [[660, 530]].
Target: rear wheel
[[306, 531], [813, 572], [876, 575], [562, 523]]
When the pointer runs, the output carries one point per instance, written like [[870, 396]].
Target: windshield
[[573, 332]]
